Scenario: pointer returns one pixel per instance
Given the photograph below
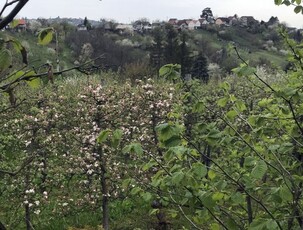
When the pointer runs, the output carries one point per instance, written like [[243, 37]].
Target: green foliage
[[170, 72], [133, 148], [103, 136], [34, 83], [5, 59], [296, 3], [45, 36], [259, 170]]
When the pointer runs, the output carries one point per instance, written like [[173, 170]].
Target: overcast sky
[[130, 10]]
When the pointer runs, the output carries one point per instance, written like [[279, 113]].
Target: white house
[[193, 24]]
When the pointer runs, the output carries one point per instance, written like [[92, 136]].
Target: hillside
[[263, 47]]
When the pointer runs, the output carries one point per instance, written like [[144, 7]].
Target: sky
[[126, 11]]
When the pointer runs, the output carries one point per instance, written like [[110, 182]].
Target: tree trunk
[[249, 209], [28, 218], [104, 189], [27, 209], [2, 227]]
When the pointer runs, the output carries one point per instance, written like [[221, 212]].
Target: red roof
[[21, 22]]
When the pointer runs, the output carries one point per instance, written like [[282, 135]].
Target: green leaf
[[259, 170], [271, 225], [175, 151], [198, 107], [5, 59], [45, 36], [286, 2], [133, 148], [116, 138], [211, 174], [149, 165], [298, 9], [177, 177], [278, 2], [103, 136], [19, 48], [199, 169], [147, 196], [249, 161], [225, 86], [257, 224], [217, 196], [241, 106], [232, 114], [126, 183], [264, 102], [172, 141], [170, 71], [165, 130], [207, 200], [16, 76], [244, 70], [298, 2], [285, 194], [135, 190], [222, 102], [215, 226], [237, 198], [34, 83]]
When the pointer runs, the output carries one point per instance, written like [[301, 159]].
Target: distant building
[[222, 21], [19, 25], [125, 29], [193, 24], [234, 20], [185, 24], [248, 21], [173, 21], [81, 27], [203, 22], [182, 25]]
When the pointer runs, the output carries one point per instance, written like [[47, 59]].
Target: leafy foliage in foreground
[[234, 159]]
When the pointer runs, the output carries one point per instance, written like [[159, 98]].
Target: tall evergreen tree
[[171, 47], [157, 49], [184, 54], [87, 23], [200, 70]]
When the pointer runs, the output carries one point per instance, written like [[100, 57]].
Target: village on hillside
[[205, 20]]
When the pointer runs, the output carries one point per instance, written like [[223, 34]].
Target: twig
[[7, 4], [183, 213], [274, 91], [31, 77], [13, 13]]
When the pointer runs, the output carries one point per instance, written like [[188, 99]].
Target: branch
[[288, 101], [183, 213], [31, 77], [13, 13], [25, 164], [11, 107]]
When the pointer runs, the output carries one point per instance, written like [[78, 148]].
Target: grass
[[38, 54]]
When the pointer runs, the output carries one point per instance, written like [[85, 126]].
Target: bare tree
[[18, 5]]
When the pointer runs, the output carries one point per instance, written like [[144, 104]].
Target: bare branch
[[7, 4], [6, 20], [27, 77]]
